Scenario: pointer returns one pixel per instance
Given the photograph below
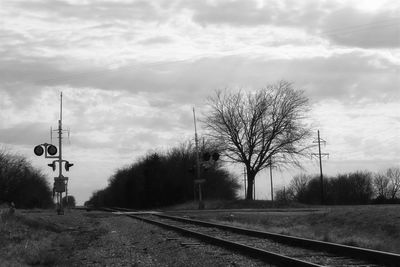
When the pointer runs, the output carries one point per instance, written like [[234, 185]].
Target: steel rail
[[267, 256], [390, 259]]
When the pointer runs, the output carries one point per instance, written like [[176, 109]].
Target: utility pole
[[198, 180], [270, 175], [59, 194], [244, 181], [320, 155], [254, 188], [61, 182]]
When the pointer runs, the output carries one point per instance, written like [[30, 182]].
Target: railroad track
[[279, 249]]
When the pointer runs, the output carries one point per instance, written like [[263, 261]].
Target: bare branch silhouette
[[253, 128]]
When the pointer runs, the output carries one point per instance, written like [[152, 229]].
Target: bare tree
[[387, 183], [381, 185], [298, 186], [393, 175], [257, 128]]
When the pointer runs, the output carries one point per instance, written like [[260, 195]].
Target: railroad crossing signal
[[60, 184], [215, 156], [45, 148], [51, 151], [38, 150], [52, 165], [207, 156], [68, 165]]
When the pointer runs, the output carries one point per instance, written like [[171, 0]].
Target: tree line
[[352, 188], [22, 184], [165, 178]]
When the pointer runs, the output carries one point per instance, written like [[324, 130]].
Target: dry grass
[[232, 204], [102, 239], [374, 227], [29, 242], [44, 238]]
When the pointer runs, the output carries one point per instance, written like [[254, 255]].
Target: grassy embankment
[[26, 241], [370, 226], [46, 239]]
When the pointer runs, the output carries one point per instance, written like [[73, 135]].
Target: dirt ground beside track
[[81, 238]]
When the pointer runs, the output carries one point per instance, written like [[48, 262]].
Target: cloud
[[156, 40], [341, 24], [151, 106], [237, 13], [25, 134], [131, 71], [351, 27], [361, 132], [93, 10], [349, 76], [253, 13], [98, 119]]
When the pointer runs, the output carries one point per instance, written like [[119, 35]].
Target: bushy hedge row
[[69, 201], [353, 188], [22, 184], [161, 179]]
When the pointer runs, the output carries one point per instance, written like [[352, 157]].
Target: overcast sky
[[131, 71]]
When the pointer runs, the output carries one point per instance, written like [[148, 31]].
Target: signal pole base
[[60, 211], [201, 205]]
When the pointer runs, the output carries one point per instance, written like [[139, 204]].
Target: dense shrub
[[284, 195], [22, 184], [69, 201], [161, 179], [352, 188]]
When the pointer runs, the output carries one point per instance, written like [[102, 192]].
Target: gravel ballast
[[94, 238]]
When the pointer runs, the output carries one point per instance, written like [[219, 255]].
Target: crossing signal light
[[215, 156], [52, 150], [52, 165], [206, 156], [68, 165], [38, 150]]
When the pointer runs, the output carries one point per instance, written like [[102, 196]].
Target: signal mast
[[50, 151]]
